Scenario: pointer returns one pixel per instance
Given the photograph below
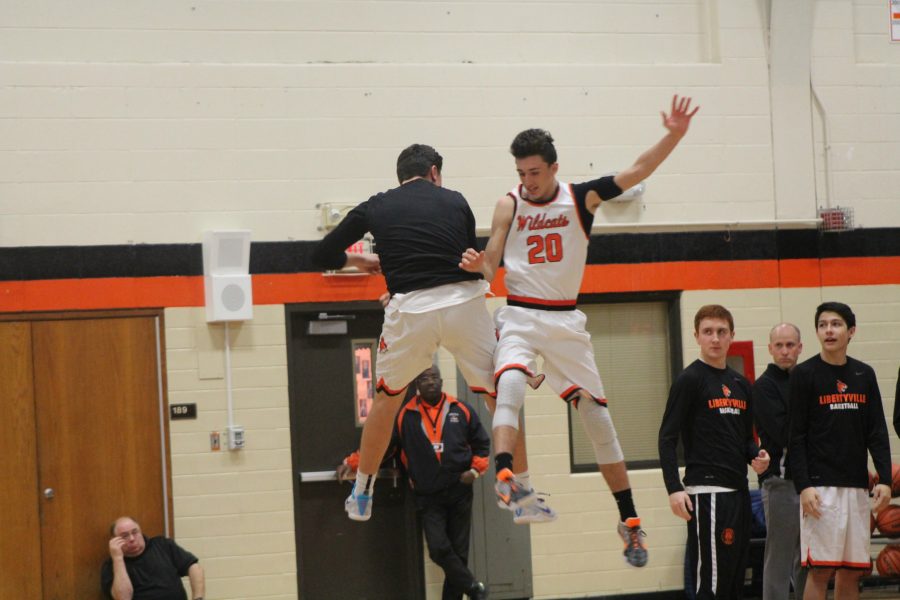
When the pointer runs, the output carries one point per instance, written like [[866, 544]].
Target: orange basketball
[[888, 521], [888, 561], [895, 480]]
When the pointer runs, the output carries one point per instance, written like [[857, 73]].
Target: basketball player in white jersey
[[541, 230]]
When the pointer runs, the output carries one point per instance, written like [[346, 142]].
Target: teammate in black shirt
[[420, 230], [709, 410], [836, 420]]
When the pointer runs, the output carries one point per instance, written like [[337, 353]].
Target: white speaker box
[[226, 279]]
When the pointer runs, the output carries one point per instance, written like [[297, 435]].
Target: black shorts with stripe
[[718, 544]]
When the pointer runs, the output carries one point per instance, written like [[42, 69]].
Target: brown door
[[20, 543], [96, 433]]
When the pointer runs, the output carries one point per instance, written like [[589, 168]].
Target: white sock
[[365, 484], [525, 479]]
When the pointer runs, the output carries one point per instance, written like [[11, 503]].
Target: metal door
[[336, 557]]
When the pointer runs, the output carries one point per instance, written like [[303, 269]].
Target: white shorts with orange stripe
[[410, 339], [559, 337], [840, 537]]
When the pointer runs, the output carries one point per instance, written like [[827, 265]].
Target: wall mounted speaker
[[226, 278]]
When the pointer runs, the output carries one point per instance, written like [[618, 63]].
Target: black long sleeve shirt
[[420, 232], [836, 419], [771, 405], [709, 409]]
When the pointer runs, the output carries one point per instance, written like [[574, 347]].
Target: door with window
[[331, 356]]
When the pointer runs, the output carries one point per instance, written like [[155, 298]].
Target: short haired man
[[709, 410], [837, 419], [444, 449], [420, 228], [780, 500], [541, 230], [141, 568]]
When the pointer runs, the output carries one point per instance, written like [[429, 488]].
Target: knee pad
[[510, 398], [600, 429]]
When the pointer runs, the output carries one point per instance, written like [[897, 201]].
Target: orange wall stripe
[[141, 292]]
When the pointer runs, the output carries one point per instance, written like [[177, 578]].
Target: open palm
[[680, 119]]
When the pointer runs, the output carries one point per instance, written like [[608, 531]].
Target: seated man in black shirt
[[141, 568]]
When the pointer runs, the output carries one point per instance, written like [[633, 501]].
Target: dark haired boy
[[541, 230], [837, 419], [420, 228]]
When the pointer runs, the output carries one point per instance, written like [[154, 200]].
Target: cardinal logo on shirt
[[382, 345], [726, 391], [841, 386]]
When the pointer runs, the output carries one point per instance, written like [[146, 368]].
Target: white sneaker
[[358, 506], [539, 512]]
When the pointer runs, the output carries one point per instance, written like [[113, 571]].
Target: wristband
[[475, 472]]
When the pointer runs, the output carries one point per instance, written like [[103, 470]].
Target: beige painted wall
[[153, 121], [235, 510]]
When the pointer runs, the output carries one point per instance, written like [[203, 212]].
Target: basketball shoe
[[511, 494], [632, 535], [358, 506], [538, 512]]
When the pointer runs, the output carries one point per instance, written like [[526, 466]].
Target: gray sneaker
[[511, 494], [539, 512], [635, 549]]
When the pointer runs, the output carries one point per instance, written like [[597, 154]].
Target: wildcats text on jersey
[[541, 221]]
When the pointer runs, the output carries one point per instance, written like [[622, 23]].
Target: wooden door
[[20, 542], [100, 446]]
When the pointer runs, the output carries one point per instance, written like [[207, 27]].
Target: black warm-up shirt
[[155, 574], [836, 419], [709, 409], [420, 232], [771, 405]]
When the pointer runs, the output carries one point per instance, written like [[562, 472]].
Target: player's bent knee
[[510, 398]]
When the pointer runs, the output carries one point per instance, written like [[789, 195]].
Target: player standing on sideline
[[780, 500], [420, 229], [709, 408], [836, 419], [541, 230]]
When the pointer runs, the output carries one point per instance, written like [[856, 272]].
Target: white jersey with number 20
[[546, 249]]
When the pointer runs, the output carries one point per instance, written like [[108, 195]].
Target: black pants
[[447, 520], [718, 544]]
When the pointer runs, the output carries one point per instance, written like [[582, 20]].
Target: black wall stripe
[[149, 260]]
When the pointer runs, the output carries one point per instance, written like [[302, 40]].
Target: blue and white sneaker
[[358, 506], [539, 512]]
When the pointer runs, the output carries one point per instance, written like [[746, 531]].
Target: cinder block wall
[[150, 122], [233, 509]]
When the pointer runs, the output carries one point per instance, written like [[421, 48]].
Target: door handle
[[317, 476], [49, 493]]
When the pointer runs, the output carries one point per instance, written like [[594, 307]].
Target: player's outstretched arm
[[677, 123], [487, 261]]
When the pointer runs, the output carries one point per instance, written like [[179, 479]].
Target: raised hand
[[680, 119]]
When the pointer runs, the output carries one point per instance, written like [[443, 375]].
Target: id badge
[[438, 447]]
